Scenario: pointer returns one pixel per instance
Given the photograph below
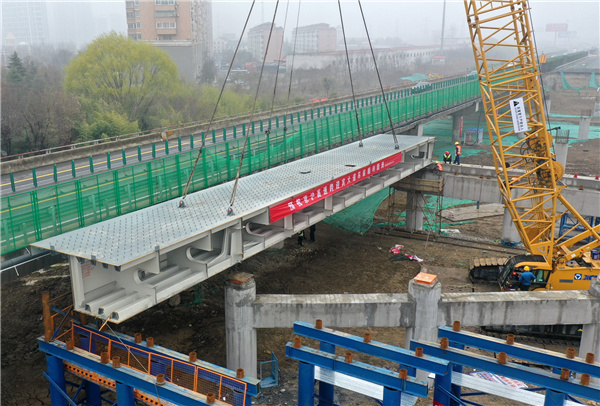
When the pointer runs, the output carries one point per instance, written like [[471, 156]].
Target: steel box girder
[[356, 369], [524, 352], [527, 374], [374, 348], [138, 380]]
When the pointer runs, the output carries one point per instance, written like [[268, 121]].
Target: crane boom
[[528, 176]]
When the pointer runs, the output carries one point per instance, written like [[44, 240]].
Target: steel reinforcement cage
[[45, 212]]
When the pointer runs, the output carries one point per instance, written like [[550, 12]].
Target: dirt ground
[[338, 262]]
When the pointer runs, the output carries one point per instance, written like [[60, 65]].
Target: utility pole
[[443, 24]]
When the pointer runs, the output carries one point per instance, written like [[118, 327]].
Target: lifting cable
[[360, 144], [268, 131], [396, 146], [262, 68], [287, 103], [189, 181]]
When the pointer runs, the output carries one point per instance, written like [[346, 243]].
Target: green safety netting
[[358, 218], [35, 215], [593, 81], [566, 84]]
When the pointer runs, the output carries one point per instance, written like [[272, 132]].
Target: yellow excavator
[[528, 175]]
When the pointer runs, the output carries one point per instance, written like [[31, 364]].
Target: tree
[[117, 73], [17, 72]]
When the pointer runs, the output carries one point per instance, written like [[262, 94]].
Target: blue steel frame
[[556, 388], [127, 379], [325, 358], [520, 351]]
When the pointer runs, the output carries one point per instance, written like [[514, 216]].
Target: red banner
[[309, 198]]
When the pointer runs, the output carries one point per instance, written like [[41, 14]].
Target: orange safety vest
[[440, 167], [458, 149]]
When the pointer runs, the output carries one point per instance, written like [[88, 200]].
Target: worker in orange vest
[[457, 153]]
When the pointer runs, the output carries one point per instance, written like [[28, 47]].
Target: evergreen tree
[[17, 72]]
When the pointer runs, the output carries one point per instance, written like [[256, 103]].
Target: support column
[[415, 202], [240, 334], [584, 127], [561, 150], [306, 384], [326, 390], [125, 395], [56, 372], [391, 397], [456, 128], [597, 107], [93, 394], [418, 130], [426, 298], [590, 336], [510, 235]]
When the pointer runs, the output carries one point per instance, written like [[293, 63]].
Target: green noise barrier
[[45, 212]]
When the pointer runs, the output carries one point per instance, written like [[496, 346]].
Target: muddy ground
[[337, 262]]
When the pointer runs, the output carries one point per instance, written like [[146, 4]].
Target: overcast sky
[[415, 22]]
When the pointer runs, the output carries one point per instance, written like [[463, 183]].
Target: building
[[258, 37], [315, 38], [24, 23], [362, 60], [183, 28]]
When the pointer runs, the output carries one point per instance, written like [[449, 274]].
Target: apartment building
[[258, 37], [315, 38], [183, 28]]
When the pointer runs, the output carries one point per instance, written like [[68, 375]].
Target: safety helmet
[[526, 268], [456, 143], [447, 152]]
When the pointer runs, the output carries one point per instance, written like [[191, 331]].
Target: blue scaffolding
[[446, 360]]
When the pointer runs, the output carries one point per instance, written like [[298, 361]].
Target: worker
[[447, 157], [457, 153], [312, 232], [300, 237], [526, 278]]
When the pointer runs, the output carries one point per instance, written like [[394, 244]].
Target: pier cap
[[425, 278]]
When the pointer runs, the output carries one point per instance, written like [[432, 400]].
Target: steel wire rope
[[189, 181], [287, 103], [242, 154], [277, 73], [360, 144], [387, 109], [133, 355]]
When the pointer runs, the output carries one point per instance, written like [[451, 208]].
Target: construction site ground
[[337, 262]]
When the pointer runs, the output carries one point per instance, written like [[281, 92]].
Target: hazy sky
[[415, 22]]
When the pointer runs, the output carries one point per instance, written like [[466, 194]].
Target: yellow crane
[[528, 175]]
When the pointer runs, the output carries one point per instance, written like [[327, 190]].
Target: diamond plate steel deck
[[131, 236]]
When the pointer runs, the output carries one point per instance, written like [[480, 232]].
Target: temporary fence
[[45, 212]]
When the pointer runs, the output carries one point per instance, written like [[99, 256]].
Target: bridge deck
[[162, 250], [131, 236]]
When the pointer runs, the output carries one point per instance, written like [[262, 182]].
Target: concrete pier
[[415, 202], [417, 130], [240, 333], [584, 127], [456, 135], [420, 311], [561, 150]]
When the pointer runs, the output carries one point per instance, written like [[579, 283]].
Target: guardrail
[[52, 210]]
